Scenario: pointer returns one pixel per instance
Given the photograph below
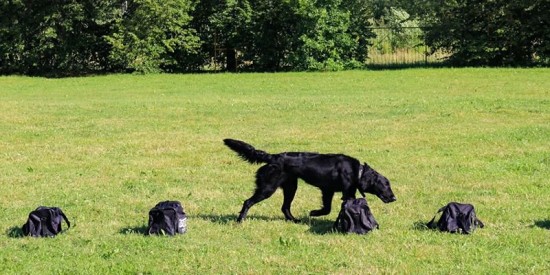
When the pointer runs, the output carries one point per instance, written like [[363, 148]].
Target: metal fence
[[401, 47], [389, 48]]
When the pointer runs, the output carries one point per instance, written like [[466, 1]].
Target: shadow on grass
[[226, 219], [141, 230], [322, 227], [319, 227], [543, 224], [221, 219], [15, 232], [421, 226]]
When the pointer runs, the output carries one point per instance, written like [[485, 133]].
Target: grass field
[[106, 149]]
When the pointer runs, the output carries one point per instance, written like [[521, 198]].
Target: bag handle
[[479, 223], [64, 217], [335, 225], [432, 224]]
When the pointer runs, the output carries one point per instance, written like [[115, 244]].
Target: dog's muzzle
[[388, 199]]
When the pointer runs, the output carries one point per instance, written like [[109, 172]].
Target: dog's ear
[[366, 166], [367, 179], [364, 182]]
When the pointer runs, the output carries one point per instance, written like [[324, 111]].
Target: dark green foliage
[[75, 37], [153, 36], [224, 29], [54, 37], [267, 35], [275, 31], [71, 37], [328, 40], [495, 32], [308, 35]]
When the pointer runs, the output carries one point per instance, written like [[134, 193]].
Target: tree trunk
[[231, 59]]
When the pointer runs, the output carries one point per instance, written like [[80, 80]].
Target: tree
[[361, 14], [153, 36], [307, 35], [326, 42], [54, 37], [223, 27], [11, 42], [274, 33], [495, 32]]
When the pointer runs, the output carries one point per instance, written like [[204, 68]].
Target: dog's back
[[317, 169], [314, 168]]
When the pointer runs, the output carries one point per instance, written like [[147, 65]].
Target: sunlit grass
[[106, 149]]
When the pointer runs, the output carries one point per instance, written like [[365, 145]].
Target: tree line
[[75, 37]]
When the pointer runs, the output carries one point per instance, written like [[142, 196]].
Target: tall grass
[[106, 149]]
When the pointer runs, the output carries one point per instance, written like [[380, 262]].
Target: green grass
[[106, 149]]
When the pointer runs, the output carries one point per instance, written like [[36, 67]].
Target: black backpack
[[167, 218], [355, 217], [456, 218], [45, 222]]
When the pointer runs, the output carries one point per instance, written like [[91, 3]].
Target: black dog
[[329, 172]]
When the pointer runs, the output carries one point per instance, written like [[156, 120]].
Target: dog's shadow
[[319, 227], [543, 224], [231, 218], [219, 219], [316, 226]]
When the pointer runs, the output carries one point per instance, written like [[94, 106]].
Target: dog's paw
[[320, 212]]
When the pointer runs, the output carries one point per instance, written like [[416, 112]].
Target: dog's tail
[[247, 152]]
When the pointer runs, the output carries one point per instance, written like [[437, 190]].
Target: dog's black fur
[[329, 172]]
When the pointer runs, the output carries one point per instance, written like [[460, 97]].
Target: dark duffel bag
[[355, 217], [456, 218], [45, 222], [167, 218]]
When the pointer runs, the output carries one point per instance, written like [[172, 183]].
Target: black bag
[[457, 218], [355, 217], [45, 222], [167, 218]]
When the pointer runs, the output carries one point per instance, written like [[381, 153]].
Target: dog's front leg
[[327, 204]]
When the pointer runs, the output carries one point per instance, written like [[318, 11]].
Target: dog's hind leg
[[256, 198], [289, 190], [327, 204], [268, 179]]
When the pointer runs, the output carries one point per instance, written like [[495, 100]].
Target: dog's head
[[374, 183]]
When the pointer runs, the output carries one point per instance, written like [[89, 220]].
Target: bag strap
[[479, 223], [64, 218], [432, 223], [335, 225]]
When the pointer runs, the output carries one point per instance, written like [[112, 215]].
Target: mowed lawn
[[108, 148]]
